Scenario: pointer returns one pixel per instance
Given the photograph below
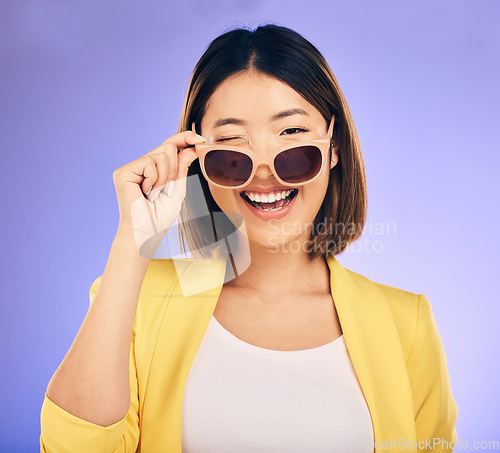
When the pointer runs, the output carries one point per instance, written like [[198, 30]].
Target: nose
[[263, 172], [266, 145]]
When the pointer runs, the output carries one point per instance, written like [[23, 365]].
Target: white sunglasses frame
[[322, 143]]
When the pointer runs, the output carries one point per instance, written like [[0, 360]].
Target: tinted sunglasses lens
[[298, 164], [228, 168]]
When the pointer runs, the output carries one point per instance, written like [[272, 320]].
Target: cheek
[[225, 199], [315, 192]]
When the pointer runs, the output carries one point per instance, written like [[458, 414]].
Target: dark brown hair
[[284, 54]]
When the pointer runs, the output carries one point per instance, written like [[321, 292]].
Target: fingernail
[[170, 188], [149, 191], [201, 138]]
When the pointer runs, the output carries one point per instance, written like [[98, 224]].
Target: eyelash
[[301, 129]]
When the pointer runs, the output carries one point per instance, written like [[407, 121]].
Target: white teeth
[[269, 197]]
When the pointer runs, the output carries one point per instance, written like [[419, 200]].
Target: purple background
[[88, 86]]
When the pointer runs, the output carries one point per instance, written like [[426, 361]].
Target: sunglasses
[[292, 164]]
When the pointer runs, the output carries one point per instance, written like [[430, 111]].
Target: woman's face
[[254, 98]]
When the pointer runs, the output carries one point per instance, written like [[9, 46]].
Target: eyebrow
[[278, 116]]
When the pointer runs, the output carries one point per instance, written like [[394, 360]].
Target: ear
[[334, 147], [334, 150]]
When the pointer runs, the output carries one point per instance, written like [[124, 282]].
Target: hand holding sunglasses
[[293, 164]]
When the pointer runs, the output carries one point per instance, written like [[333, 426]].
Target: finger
[[179, 141], [184, 139], [150, 174], [168, 173], [162, 169], [186, 157], [172, 153]]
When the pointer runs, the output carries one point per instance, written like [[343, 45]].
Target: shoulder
[[399, 300], [159, 284], [161, 281], [161, 275], [434, 405], [403, 306], [167, 267]]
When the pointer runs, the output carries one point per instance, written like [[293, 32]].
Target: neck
[[279, 272]]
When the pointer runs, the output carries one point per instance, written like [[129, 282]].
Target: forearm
[[92, 381]]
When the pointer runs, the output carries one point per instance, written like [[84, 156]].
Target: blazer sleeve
[[62, 432], [434, 406]]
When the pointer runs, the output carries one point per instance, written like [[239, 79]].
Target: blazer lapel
[[369, 332], [375, 350]]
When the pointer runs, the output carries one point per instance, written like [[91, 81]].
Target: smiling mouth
[[273, 205]]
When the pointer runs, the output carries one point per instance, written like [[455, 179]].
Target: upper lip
[[266, 189]]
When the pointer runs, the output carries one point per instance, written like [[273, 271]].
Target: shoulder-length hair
[[284, 54]]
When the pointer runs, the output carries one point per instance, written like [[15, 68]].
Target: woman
[[262, 341]]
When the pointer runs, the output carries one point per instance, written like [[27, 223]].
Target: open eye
[[299, 129]]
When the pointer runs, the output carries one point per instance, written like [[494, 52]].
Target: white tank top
[[240, 398]]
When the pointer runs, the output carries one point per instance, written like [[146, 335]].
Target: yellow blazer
[[390, 334]]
